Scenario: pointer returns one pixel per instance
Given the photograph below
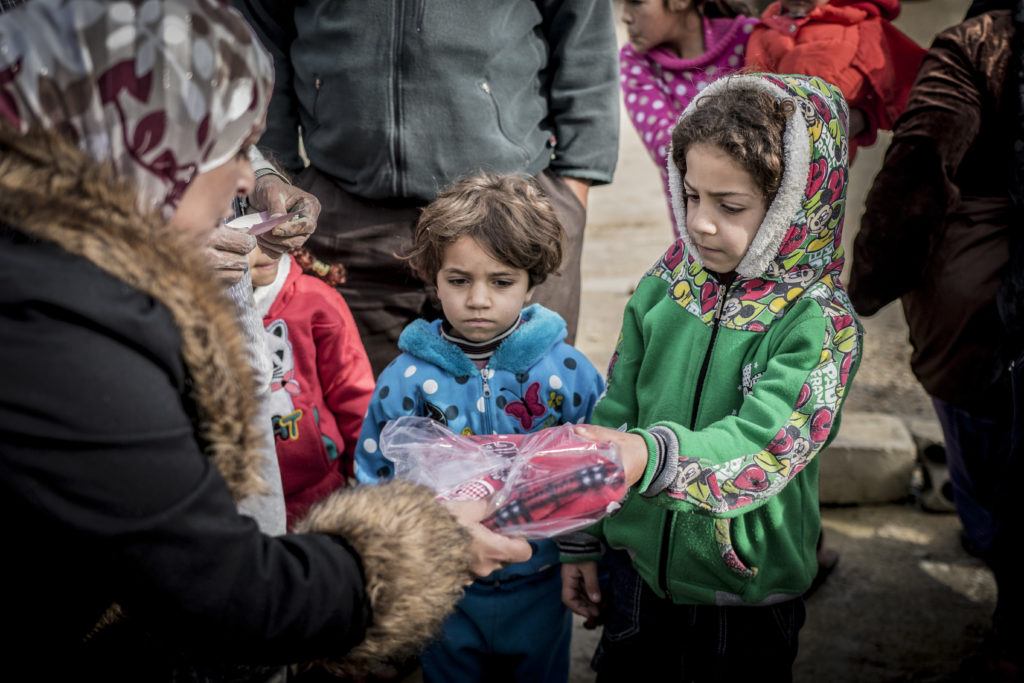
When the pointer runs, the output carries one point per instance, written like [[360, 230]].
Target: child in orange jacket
[[850, 43]]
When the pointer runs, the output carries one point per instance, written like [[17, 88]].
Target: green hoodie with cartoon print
[[736, 389]]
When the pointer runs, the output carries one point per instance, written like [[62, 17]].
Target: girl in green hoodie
[[735, 355]]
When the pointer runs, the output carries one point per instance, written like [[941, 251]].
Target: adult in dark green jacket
[[394, 101]]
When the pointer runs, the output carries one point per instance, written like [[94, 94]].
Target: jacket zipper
[[396, 92], [670, 516], [487, 399]]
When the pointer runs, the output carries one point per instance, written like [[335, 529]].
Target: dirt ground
[[905, 603]]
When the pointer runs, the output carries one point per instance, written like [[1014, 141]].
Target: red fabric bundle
[[539, 485]]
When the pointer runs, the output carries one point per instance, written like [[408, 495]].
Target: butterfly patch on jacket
[[528, 407]]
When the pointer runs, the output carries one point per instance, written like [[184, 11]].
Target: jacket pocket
[[502, 128], [318, 84], [726, 550]]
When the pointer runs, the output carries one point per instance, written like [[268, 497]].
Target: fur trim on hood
[[799, 243], [51, 190], [415, 559], [414, 554]]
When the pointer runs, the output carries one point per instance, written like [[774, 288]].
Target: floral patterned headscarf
[[163, 89]]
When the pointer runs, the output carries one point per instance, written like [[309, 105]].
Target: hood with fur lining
[[51, 190], [797, 250], [415, 558]]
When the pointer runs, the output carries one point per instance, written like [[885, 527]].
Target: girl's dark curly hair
[[745, 122], [333, 274]]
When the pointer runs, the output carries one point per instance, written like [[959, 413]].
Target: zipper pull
[[722, 289], [487, 387]]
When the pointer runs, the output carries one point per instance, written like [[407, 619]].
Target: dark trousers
[[649, 638], [367, 237], [976, 448], [985, 456]]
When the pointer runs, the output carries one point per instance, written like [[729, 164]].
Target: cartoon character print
[[749, 378], [753, 298], [723, 538], [283, 384], [809, 251], [797, 442], [696, 482], [667, 266], [819, 116]]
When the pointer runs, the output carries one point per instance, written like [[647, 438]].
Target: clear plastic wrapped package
[[537, 485]]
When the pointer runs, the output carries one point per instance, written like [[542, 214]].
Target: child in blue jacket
[[489, 366]]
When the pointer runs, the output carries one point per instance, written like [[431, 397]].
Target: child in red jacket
[[321, 383], [849, 43]]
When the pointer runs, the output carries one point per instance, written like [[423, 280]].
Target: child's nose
[[478, 295], [697, 222]]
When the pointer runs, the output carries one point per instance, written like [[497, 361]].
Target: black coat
[[128, 434], [113, 498]]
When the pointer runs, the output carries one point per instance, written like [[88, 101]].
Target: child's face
[[481, 297], [724, 207], [800, 8], [649, 23], [262, 267]]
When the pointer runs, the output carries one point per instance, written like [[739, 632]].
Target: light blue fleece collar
[[529, 342]]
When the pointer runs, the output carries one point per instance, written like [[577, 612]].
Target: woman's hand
[[276, 197], [227, 252], [488, 551], [632, 448]]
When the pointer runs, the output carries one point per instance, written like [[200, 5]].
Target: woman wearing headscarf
[[127, 428]]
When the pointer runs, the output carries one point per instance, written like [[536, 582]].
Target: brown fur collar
[[54, 192], [415, 558]]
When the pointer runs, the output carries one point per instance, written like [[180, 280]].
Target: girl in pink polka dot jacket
[[674, 51]]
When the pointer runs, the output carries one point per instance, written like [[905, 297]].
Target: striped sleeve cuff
[[579, 546], [666, 446]]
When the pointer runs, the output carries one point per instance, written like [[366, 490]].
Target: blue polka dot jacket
[[534, 380]]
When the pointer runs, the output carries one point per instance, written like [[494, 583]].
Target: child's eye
[[690, 198], [503, 283], [728, 208], [456, 281]]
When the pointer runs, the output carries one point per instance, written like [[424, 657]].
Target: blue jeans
[[649, 638], [514, 630]]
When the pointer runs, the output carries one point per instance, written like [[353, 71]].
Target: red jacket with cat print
[[321, 384]]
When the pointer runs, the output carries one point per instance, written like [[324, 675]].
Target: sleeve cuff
[[579, 546], [262, 167], [662, 460]]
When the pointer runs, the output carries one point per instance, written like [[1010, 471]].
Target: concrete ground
[[905, 603]]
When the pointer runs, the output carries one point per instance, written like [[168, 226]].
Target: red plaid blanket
[[539, 485]]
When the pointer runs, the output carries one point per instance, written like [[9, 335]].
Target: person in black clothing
[[127, 428]]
